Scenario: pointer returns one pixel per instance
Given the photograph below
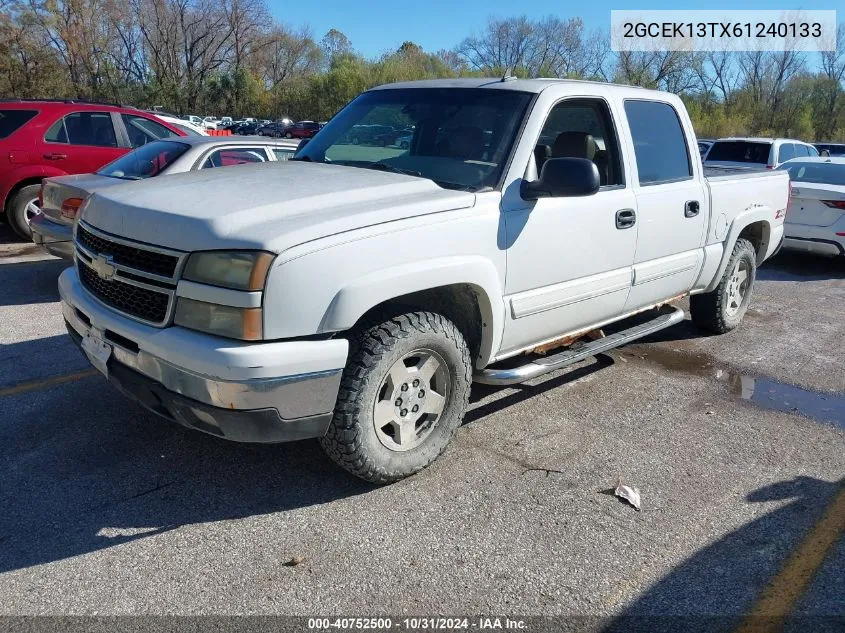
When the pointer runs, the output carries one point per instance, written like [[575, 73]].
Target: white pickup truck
[[354, 293]]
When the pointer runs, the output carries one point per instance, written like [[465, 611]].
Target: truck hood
[[272, 206]]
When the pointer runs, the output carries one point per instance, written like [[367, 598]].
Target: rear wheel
[[722, 309], [402, 397], [22, 208]]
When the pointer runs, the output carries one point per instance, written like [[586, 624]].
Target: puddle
[[766, 393]]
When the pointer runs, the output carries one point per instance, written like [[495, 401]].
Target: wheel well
[[457, 302], [23, 183], [758, 234]]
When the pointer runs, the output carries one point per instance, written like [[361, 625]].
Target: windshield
[[460, 138], [145, 162], [823, 173], [740, 152]]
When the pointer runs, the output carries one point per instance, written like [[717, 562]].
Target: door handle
[[691, 209], [626, 218], [55, 156]]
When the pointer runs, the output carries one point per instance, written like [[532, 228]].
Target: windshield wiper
[[392, 169]]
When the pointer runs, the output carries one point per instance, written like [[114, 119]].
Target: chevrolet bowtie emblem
[[103, 265]]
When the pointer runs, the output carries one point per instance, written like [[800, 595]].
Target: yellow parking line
[[781, 595], [32, 385]]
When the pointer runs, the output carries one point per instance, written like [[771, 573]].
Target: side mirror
[[563, 177]]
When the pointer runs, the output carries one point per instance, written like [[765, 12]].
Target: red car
[[56, 138], [303, 129]]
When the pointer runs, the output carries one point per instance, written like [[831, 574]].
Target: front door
[[569, 259], [672, 206]]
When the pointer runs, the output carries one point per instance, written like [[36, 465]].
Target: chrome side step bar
[[538, 367]]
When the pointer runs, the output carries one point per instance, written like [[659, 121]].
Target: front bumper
[[55, 238], [245, 392]]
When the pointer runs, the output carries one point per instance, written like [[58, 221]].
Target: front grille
[[126, 255], [142, 303]]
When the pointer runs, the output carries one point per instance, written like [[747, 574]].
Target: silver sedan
[[52, 227]]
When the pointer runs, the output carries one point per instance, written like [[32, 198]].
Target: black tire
[[288, 135], [352, 440], [713, 311], [16, 215]]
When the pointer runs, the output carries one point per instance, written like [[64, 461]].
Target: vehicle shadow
[[31, 282], [84, 469], [713, 589], [796, 266], [481, 406]]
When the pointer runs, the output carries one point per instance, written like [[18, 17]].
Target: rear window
[[145, 162], [740, 152], [12, 120], [822, 173]]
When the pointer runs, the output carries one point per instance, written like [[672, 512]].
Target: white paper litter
[[629, 494]]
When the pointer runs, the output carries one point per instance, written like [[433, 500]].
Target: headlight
[[239, 270], [228, 321]]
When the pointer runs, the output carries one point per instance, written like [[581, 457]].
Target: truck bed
[[716, 172]]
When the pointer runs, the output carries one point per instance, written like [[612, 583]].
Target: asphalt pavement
[[736, 443]]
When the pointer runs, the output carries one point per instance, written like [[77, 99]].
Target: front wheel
[[402, 397], [722, 309]]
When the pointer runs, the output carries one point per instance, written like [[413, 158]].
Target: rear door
[[672, 203], [82, 142]]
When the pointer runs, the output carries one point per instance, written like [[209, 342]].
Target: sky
[[378, 27]]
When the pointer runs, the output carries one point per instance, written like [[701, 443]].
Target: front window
[[145, 162], [821, 173], [461, 138]]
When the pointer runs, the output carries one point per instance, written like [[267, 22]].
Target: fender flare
[[352, 301], [762, 213]]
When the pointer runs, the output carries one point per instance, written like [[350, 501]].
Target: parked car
[[353, 294], [390, 138], [248, 128], [832, 149], [756, 153], [302, 129], [210, 123], [816, 219], [181, 124], [54, 138], [62, 196], [225, 120], [366, 134], [193, 119], [276, 130]]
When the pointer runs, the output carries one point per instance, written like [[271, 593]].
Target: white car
[[354, 293], [815, 222], [756, 153], [210, 123], [186, 126], [193, 119]]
